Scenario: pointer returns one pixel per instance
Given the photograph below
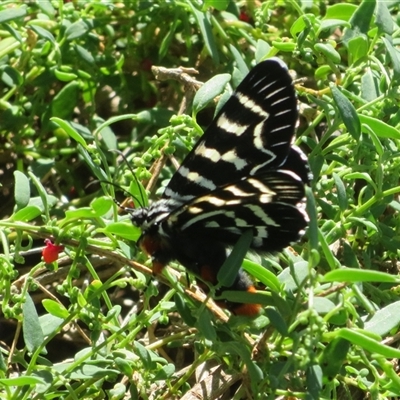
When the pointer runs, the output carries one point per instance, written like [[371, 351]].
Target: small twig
[[180, 74], [14, 343], [333, 289], [156, 169]]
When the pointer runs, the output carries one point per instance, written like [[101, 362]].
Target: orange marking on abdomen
[[150, 245], [248, 309], [208, 274]]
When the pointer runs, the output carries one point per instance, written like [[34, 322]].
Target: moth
[[243, 174]]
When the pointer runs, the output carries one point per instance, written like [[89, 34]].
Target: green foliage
[[76, 84]]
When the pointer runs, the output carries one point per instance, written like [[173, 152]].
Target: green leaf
[[360, 20], [235, 347], [70, 131], [339, 318], [358, 275], [8, 45], [349, 256], [101, 205], [340, 11], [220, 5], [357, 48], [383, 19], [124, 230], [394, 56], [341, 192], [44, 197], [380, 128], [155, 116], [22, 190], [44, 33], [32, 330], [347, 112], [334, 356], [369, 87], [11, 76], [12, 13], [328, 51], [262, 50], [50, 324], [301, 272], [86, 372], [91, 294], [144, 355], [222, 100], [184, 310], [3, 364], [47, 377], [124, 366], [47, 7], [64, 76], [322, 305], [314, 381], [22, 381], [256, 374], [84, 131], [362, 175], [322, 71], [85, 55], [241, 63], [55, 308], [229, 270], [359, 338], [96, 169], [166, 372], [287, 47], [65, 101], [298, 26], [138, 193], [168, 38], [332, 23], [312, 213], [26, 214], [205, 326], [334, 234], [211, 89], [277, 321], [203, 21], [76, 30], [239, 296], [83, 212], [109, 138], [384, 320], [261, 273]]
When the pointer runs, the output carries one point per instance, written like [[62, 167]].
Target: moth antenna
[[128, 209]]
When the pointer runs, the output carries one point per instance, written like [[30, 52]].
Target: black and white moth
[[243, 174]]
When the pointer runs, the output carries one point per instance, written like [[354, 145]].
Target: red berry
[[51, 251]]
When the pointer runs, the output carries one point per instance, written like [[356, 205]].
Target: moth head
[[151, 217], [139, 216]]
